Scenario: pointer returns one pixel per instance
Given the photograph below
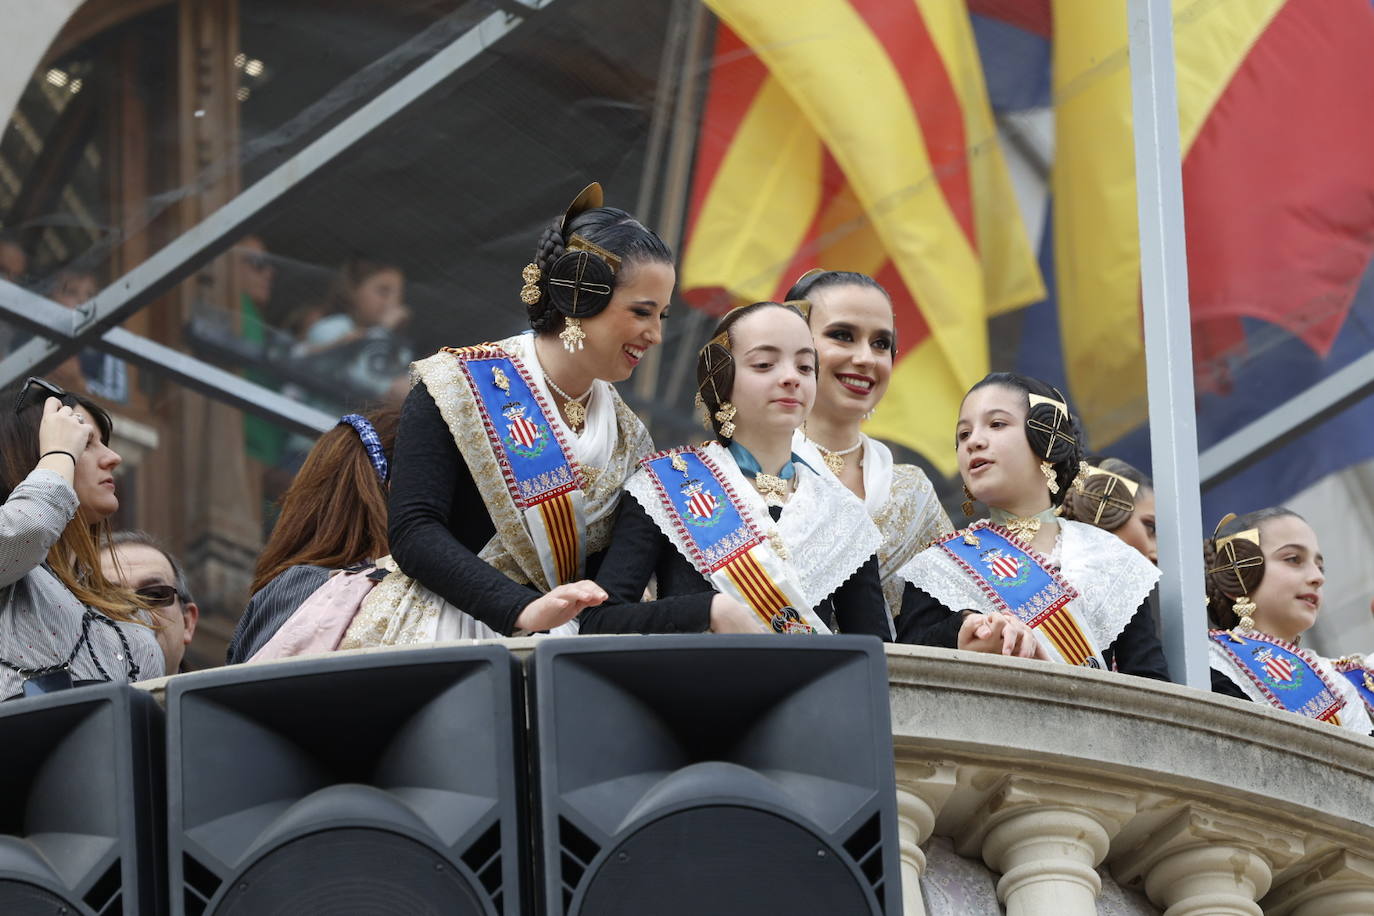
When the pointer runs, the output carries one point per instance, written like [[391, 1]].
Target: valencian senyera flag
[[1278, 178], [857, 135], [1278, 184]]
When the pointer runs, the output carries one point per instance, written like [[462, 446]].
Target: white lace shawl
[[902, 503], [825, 528], [1111, 578], [1353, 714]]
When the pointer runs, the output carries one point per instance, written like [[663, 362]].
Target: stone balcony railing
[[1043, 782], [1053, 775]]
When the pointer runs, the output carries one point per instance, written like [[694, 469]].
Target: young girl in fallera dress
[[856, 344], [1026, 581], [1116, 497], [1264, 587], [742, 534]]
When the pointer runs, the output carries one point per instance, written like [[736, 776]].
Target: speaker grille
[[726, 861], [576, 852], [19, 898], [351, 872], [484, 858], [106, 895], [865, 847]]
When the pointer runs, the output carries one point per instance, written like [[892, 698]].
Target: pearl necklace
[[573, 408], [835, 460]]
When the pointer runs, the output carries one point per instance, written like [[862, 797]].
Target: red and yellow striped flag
[[857, 135], [1278, 177]]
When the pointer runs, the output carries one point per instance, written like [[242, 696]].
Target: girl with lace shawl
[[742, 534], [511, 456], [1264, 587], [1025, 581], [856, 344]]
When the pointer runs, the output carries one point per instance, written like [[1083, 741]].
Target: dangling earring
[[1244, 609], [1082, 476], [530, 293], [724, 416], [572, 334], [967, 504], [1050, 480], [871, 411]]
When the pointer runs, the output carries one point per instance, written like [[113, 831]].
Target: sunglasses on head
[[158, 595], [37, 390]]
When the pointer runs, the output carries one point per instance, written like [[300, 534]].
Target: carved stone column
[[923, 787], [1339, 885], [1205, 863], [1046, 838]]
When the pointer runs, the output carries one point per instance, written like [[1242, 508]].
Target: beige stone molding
[[1209, 863], [1341, 884], [1202, 801], [922, 789], [1046, 839]]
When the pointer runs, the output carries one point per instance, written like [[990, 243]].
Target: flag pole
[[1168, 340], [691, 20]]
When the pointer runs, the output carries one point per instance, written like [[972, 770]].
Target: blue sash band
[[1285, 678]]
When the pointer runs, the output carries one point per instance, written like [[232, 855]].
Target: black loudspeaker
[[729, 775], [81, 804], [383, 784]]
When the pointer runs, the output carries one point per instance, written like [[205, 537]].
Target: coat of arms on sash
[[1005, 569], [523, 436], [703, 508], [1279, 671]]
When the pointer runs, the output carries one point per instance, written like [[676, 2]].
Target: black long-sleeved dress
[[640, 550]]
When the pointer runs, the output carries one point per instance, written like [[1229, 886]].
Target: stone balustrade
[[1049, 775]]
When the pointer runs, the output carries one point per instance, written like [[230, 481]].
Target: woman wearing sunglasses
[[61, 620]]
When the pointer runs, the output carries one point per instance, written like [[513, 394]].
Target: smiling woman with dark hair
[[1026, 581], [511, 455], [61, 620]]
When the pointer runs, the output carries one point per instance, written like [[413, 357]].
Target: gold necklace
[[573, 408], [835, 460], [774, 490], [1021, 529]]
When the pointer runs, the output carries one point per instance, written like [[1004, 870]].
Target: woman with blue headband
[[333, 516]]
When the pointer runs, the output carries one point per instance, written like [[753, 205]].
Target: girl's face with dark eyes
[[1290, 594], [775, 372], [854, 336]]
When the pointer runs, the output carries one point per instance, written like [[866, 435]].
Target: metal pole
[[1300, 413], [43, 316], [1168, 340]]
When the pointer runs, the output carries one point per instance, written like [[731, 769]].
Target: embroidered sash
[[1361, 677], [541, 477], [1286, 678], [1019, 582], [713, 529]]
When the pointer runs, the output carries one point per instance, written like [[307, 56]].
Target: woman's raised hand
[[559, 606], [61, 430]]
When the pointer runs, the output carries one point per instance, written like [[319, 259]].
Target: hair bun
[[1236, 566], [1103, 500], [579, 283], [1051, 432]]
